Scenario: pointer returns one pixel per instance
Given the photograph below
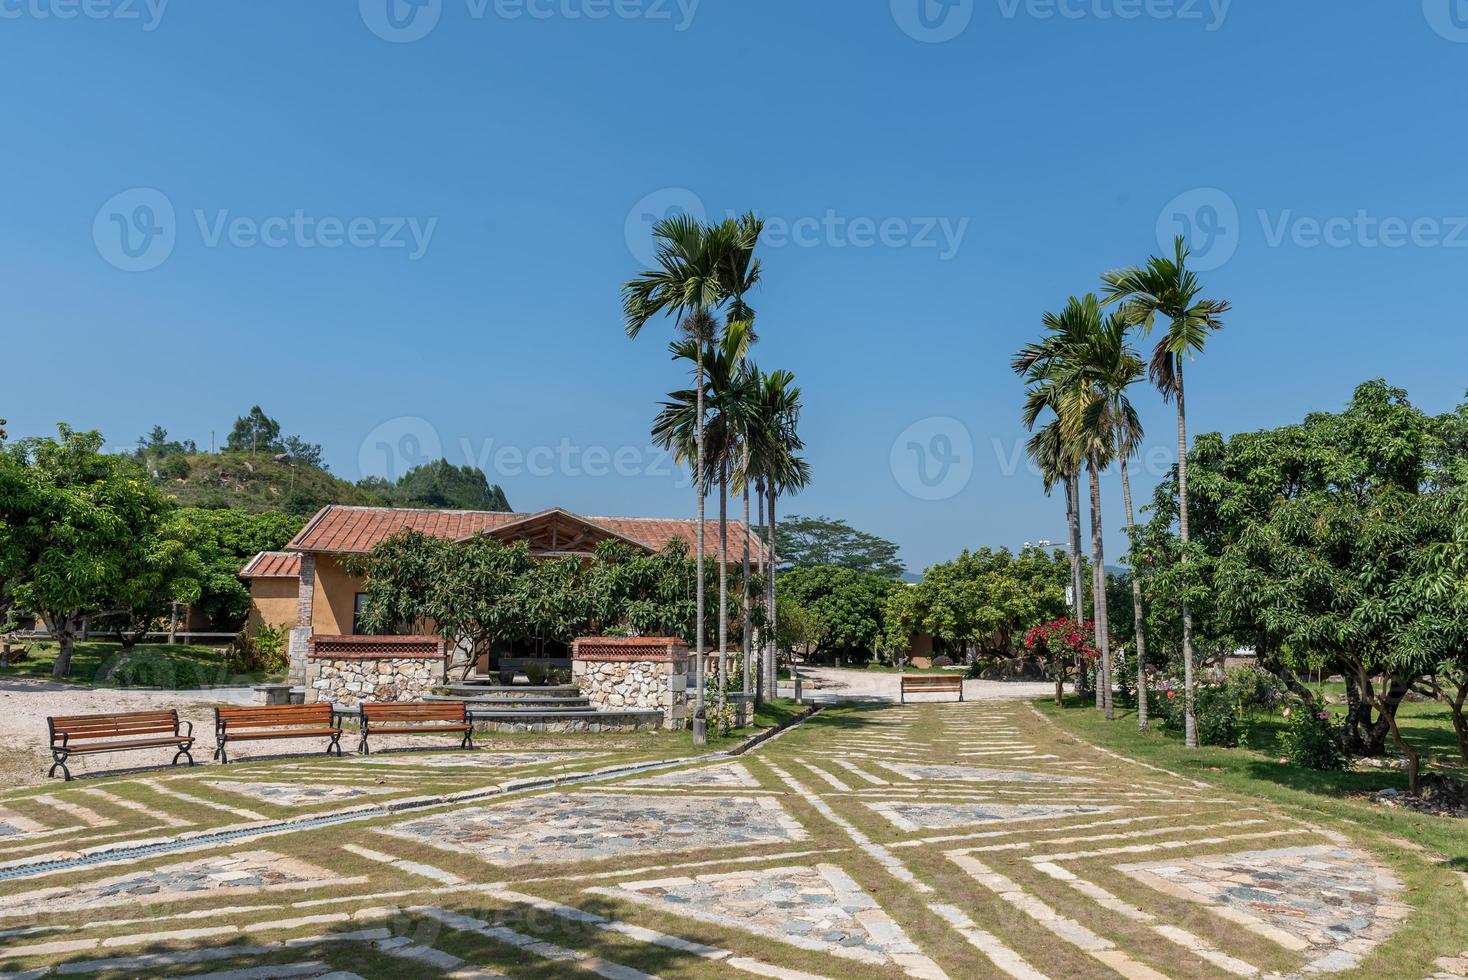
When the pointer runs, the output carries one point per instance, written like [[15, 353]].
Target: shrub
[[269, 643], [942, 662], [1310, 739], [536, 673]]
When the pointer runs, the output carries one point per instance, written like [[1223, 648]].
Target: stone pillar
[[633, 673], [300, 638], [347, 670]]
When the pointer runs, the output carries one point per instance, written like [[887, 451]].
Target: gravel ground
[[837, 684]]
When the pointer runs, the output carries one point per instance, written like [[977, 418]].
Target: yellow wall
[[336, 593], [272, 600]]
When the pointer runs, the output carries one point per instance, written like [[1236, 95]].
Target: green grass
[[99, 663], [1334, 799]]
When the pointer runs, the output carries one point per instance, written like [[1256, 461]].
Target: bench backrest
[[935, 682], [117, 725], [408, 711], [275, 716]]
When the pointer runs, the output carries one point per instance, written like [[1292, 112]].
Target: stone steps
[[523, 720]]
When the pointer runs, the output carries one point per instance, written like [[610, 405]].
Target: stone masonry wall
[[630, 674], [348, 682]]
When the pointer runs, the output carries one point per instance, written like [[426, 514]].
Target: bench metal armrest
[[182, 722]]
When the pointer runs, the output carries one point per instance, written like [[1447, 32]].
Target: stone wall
[[347, 670], [633, 674], [349, 682]]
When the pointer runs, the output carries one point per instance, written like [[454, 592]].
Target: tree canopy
[[804, 541], [847, 606]]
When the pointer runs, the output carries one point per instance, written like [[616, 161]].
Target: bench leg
[[60, 763], [183, 754], [221, 753], [362, 744], [335, 743], [468, 742]]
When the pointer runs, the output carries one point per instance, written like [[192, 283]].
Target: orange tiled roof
[[273, 564], [340, 529]]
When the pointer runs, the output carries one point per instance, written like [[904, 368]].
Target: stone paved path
[[926, 840]]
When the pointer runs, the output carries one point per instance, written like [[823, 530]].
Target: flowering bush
[[1225, 706], [1311, 739], [1057, 644]]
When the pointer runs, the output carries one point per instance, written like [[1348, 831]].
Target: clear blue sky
[[1048, 148]]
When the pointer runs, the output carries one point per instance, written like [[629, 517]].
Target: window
[[359, 605]]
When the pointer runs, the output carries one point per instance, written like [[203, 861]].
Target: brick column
[[300, 641]]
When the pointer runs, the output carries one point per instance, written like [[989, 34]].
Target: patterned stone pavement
[[924, 840]]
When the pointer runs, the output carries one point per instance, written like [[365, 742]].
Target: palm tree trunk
[[1190, 720], [700, 729], [723, 582], [1126, 498], [773, 666], [1098, 588], [744, 624], [1077, 592], [760, 691]]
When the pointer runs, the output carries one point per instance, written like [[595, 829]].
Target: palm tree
[[722, 409], [691, 279], [1116, 368], [773, 462], [1166, 288], [1057, 464], [1062, 372]]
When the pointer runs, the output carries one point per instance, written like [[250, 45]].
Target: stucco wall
[[272, 600], [336, 591]]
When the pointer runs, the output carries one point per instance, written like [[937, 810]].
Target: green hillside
[[258, 484]]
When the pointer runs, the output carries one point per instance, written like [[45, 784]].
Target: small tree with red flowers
[[1062, 646]]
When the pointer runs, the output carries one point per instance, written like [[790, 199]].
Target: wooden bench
[[931, 684], [118, 732], [275, 721], [416, 718]]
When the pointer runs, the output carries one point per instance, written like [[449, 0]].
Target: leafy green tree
[[1167, 289], [982, 602], [258, 434], [83, 532], [848, 605], [223, 541], [804, 541], [442, 484]]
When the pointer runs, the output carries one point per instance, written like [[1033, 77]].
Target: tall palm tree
[[692, 279], [1057, 464], [773, 462], [1165, 288], [1115, 367], [721, 409]]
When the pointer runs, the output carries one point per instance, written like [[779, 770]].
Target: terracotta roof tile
[[338, 529], [273, 564]]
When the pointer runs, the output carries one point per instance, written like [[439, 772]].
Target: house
[[306, 589]]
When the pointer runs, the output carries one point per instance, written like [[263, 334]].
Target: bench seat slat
[[91, 747], [254, 736]]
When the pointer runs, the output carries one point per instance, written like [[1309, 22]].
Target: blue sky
[[398, 244]]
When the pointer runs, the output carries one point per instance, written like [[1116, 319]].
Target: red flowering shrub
[[1057, 644]]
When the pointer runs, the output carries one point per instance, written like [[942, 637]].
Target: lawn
[[99, 663], [1336, 799]]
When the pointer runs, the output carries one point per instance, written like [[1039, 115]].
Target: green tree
[[806, 541], [1167, 289], [848, 605], [442, 484], [254, 432], [223, 541], [699, 270], [83, 532]]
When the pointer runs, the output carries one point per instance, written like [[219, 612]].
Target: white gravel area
[[839, 684]]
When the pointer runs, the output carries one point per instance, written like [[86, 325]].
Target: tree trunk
[[1190, 720], [1460, 724], [723, 582], [774, 665], [1098, 586], [760, 691], [63, 627], [1126, 498], [1077, 592], [1389, 713], [745, 624], [700, 730]]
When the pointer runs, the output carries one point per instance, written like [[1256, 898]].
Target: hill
[[259, 484]]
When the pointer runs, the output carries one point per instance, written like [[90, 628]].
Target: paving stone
[[939, 816], [297, 794], [557, 828]]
